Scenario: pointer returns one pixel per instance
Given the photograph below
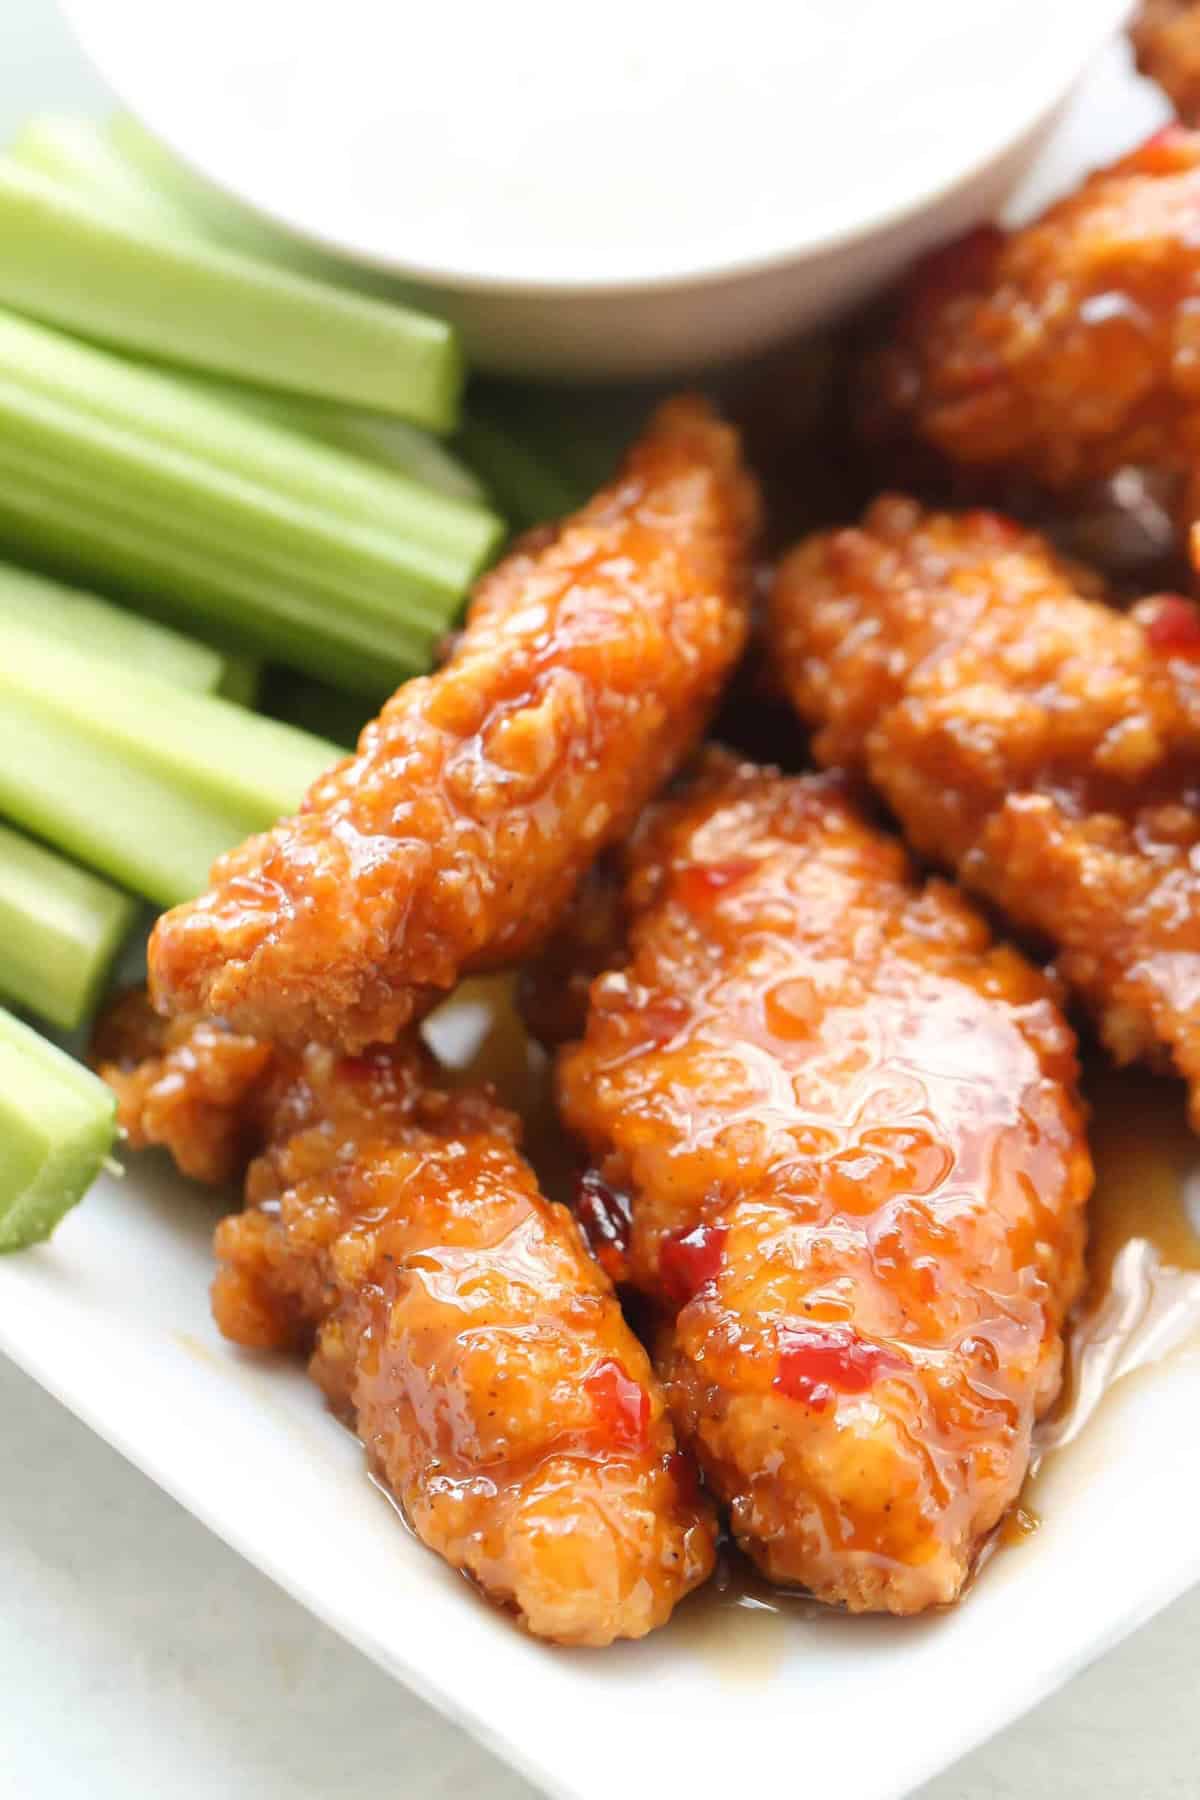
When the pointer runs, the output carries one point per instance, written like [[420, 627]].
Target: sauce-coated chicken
[[454, 838], [844, 1128], [394, 1230], [1044, 746], [1066, 350]]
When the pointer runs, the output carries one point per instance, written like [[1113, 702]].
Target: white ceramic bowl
[[648, 187]]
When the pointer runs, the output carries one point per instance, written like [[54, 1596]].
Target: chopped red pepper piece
[[621, 1405], [689, 1259], [818, 1362], [606, 1214]]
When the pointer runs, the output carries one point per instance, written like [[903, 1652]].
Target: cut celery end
[[60, 930], [82, 267], [57, 1126], [145, 783], [111, 632]]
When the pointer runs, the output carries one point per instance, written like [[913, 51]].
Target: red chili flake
[[621, 1406], [698, 886], [818, 1362], [689, 1259], [606, 1214], [1171, 624]]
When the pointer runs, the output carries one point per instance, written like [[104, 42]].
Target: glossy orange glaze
[[857, 1147], [1045, 746], [454, 838], [481, 1354], [454, 1317], [1166, 40], [1066, 349]]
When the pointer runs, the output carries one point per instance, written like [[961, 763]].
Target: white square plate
[[112, 1317]]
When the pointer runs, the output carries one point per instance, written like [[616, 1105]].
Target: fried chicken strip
[[453, 1315], [847, 1127], [453, 839], [1166, 42], [1065, 351], [1045, 747]]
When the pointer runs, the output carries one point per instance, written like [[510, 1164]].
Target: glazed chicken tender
[[455, 836], [1166, 41], [1068, 350], [453, 1316], [1044, 746], [847, 1130]]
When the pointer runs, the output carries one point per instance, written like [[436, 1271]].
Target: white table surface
[[140, 1657]]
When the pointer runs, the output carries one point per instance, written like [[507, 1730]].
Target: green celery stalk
[[427, 536], [60, 930], [388, 444], [110, 631], [57, 1127], [76, 153], [186, 577], [81, 267], [145, 782]]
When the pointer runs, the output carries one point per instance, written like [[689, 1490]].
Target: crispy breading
[[1166, 42], [394, 1230], [1043, 745], [192, 1086], [847, 1127], [454, 838], [1068, 349]]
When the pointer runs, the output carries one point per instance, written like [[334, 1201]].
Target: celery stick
[[183, 576], [425, 535], [389, 444], [110, 631], [64, 260], [145, 782], [60, 930], [78, 155], [57, 1126]]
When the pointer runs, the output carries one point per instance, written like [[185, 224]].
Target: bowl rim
[[1051, 81]]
